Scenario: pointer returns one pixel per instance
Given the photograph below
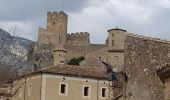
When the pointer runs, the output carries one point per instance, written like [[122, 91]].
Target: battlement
[[78, 39], [55, 14], [148, 38], [79, 34]]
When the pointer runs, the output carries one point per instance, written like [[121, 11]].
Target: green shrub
[[75, 61]]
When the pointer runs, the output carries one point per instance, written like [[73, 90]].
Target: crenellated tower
[[56, 30], [57, 25]]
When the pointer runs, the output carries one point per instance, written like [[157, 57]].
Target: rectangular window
[[86, 91], [63, 90], [113, 43], [112, 35], [104, 92]]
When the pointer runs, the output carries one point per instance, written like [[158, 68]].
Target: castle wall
[[78, 51], [78, 39], [100, 54], [57, 22], [47, 37], [142, 57]]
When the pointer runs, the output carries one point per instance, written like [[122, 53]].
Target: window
[[112, 35], [49, 37], [29, 90], [116, 58], [62, 62], [113, 43], [53, 23], [63, 89], [59, 39], [104, 92], [100, 58], [86, 91]]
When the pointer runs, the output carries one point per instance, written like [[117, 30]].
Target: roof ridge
[[148, 37]]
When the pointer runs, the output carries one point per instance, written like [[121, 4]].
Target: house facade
[[54, 83], [48, 86]]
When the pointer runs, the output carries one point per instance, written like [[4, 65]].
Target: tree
[[12, 70], [75, 61]]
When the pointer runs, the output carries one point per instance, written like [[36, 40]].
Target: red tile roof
[[82, 71]]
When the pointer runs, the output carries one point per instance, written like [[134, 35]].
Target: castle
[[56, 32], [78, 43], [137, 56]]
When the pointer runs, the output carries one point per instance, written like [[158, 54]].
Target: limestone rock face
[[12, 47]]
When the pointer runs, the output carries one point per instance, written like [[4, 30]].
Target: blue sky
[[145, 17]]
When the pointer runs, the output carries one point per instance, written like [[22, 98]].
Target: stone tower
[[57, 26], [59, 55], [116, 39]]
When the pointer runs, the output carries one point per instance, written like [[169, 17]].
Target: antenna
[[61, 5]]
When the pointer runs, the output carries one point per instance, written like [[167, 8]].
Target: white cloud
[[100, 15], [94, 16], [18, 28], [163, 3]]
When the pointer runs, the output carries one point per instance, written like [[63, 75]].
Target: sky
[[144, 17]]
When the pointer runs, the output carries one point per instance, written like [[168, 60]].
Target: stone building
[[135, 55], [78, 43], [56, 32], [65, 82]]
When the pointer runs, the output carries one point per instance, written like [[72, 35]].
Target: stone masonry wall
[[142, 57], [78, 39]]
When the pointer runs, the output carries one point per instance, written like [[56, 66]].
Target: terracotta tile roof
[[59, 48], [82, 71]]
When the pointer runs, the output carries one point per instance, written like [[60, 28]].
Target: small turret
[[116, 43], [59, 55], [116, 39]]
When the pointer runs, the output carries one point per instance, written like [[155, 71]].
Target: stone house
[[65, 82]]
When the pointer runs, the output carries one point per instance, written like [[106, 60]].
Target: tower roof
[[117, 29], [60, 48]]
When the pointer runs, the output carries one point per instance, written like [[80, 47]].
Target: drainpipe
[[97, 88], [25, 87], [41, 87]]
